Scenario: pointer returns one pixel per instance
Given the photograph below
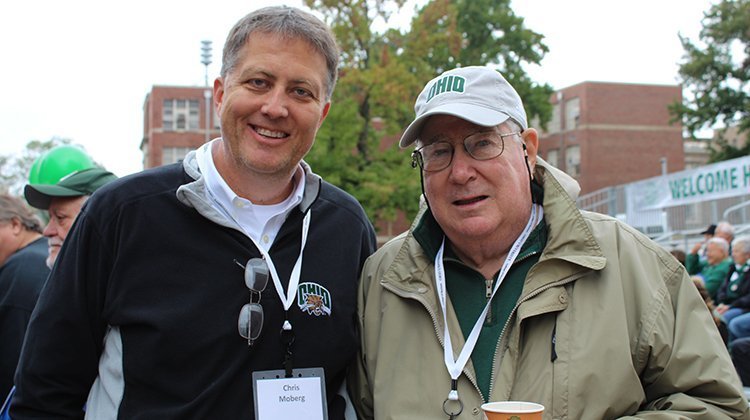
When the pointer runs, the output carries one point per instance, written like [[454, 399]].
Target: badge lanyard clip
[[287, 339]]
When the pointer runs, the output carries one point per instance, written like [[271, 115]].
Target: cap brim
[[40, 195], [473, 113]]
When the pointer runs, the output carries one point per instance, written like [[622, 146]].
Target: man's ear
[[218, 95], [16, 226], [530, 139]]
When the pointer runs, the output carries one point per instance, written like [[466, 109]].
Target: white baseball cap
[[480, 95]]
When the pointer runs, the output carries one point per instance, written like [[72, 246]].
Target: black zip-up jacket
[[743, 300], [148, 283]]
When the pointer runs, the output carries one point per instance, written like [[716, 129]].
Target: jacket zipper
[[503, 338], [488, 296], [408, 295]]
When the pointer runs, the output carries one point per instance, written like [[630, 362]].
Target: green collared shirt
[[468, 291]]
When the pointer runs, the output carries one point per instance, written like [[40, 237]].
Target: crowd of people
[[238, 283], [720, 266]]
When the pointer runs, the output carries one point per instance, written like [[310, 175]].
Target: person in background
[[698, 282], [738, 278], [725, 230], [740, 351], [679, 254], [182, 287], [714, 270], [503, 290], [63, 201], [733, 296], [708, 233], [22, 276]]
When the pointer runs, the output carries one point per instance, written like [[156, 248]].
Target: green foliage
[[448, 34], [381, 74], [14, 169], [725, 151], [717, 72]]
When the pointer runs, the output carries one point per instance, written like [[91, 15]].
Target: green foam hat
[[77, 184], [58, 162]]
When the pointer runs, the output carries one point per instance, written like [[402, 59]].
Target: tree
[[453, 33], [371, 101], [14, 169], [716, 73], [381, 74]]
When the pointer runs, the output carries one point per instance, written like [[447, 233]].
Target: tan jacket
[[608, 325]]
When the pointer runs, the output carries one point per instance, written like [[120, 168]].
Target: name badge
[[301, 396]]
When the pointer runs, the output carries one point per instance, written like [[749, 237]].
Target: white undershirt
[[260, 222]]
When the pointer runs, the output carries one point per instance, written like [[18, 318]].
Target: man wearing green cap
[[63, 202]]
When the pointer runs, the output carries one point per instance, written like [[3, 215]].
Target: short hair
[[679, 254], [742, 242], [512, 124], [725, 227], [287, 22], [13, 208], [721, 242]]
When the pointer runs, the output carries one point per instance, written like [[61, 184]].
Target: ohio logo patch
[[314, 299]]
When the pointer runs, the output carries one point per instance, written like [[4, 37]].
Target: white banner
[[729, 178]]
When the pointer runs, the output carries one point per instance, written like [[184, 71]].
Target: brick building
[[174, 122], [603, 134], [607, 134]]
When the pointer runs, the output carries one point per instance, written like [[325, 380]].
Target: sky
[[81, 69]]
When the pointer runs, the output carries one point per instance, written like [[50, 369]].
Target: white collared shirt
[[260, 222]]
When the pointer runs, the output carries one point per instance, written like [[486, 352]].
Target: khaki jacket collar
[[571, 248]]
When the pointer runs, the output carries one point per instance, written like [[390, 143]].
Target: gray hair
[[13, 208], [742, 242], [287, 22], [726, 228], [723, 244]]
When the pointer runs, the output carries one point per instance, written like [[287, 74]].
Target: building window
[[552, 157], [572, 113], [553, 126], [173, 154], [573, 161], [181, 115], [194, 115], [167, 115], [144, 151]]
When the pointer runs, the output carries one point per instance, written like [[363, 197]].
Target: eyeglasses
[[480, 146], [250, 322]]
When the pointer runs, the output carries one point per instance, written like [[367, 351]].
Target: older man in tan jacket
[[503, 290]]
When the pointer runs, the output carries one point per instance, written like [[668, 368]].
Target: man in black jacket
[[141, 315]]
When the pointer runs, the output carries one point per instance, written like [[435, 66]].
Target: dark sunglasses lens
[[256, 275], [250, 322]]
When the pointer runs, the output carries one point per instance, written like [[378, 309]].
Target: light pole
[[206, 60]]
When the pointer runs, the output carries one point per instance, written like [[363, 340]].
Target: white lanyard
[[287, 298], [456, 366]]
